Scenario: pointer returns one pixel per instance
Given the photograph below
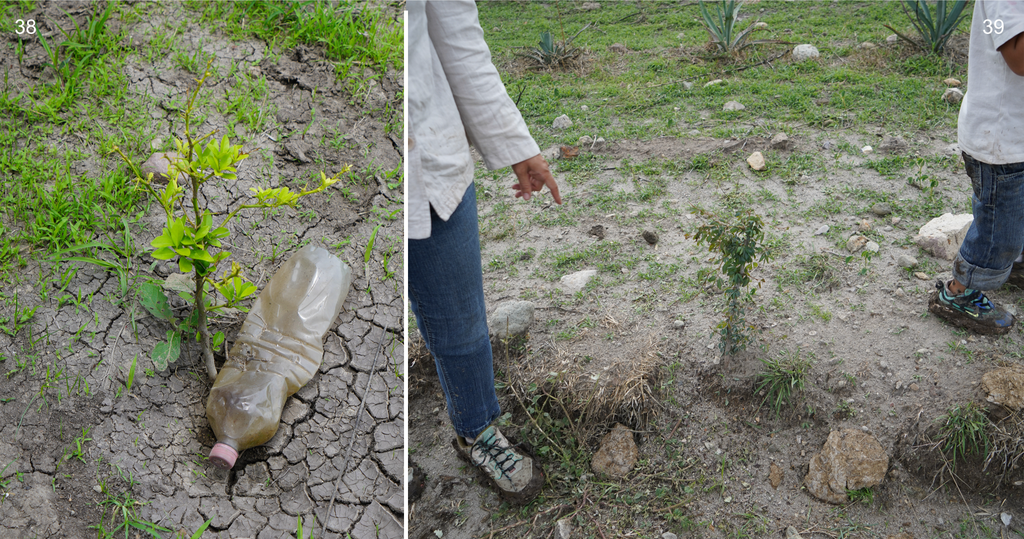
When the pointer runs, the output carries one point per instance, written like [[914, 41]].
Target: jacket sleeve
[[493, 123]]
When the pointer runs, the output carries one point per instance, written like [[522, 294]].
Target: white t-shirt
[[455, 92], [991, 121]]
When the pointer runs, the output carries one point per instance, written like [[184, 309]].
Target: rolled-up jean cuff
[[977, 277]]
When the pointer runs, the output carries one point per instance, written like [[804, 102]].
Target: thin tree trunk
[[204, 331]]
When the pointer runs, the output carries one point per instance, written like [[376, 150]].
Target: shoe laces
[[504, 458]]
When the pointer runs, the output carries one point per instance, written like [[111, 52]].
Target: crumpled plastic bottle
[[278, 349]]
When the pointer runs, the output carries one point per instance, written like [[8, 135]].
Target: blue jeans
[[446, 290], [996, 236]]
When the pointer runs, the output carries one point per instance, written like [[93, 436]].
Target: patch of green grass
[[864, 495], [783, 377], [964, 432], [815, 272]]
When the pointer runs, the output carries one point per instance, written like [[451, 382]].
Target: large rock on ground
[[943, 235], [849, 460], [511, 318], [618, 452], [805, 52], [1005, 386]]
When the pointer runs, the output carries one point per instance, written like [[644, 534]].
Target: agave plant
[[721, 26], [551, 53], [935, 31]]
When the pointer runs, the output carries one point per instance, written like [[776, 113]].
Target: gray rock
[[822, 230], [687, 85], [849, 460], [590, 6], [881, 209], [791, 533], [564, 528], [733, 105], [891, 38], [511, 318], [781, 142], [159, 164], [906, 261], [650, 236], [574, 282], [562, 122], [943, 235], [871, 246], [618, 452], [856, 243], [805, 52], [892, 145], [952, 96], [598, 143], [585, 142], [297, 149], [669, 535]]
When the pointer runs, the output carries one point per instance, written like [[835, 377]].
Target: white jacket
[[454, 92]]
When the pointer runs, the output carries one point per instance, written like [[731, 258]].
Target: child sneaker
[[513, 472], [971, 310]]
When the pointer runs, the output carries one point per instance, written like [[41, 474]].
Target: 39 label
[[992, 26], [25, 26]]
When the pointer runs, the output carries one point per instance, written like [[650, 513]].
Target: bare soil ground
[[73, 436], [881, 363]]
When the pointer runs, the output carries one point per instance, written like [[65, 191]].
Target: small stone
[[733, 105], [159, 164], [650, 237], [914, 387], [574, 282], [598, 143], [952, 96], [922, 276], [584, 108], [955, 83], [618, 452], [864, 225], [564, 524], [156, 144], [871, 247], [866, 149], [943, 235], [805, 52], [895, 221], [590, 6], [891, 38], [781, 142], [822, 230], [867, 46], [585, 142], [713, 82], [618, 48], [511, 318], [856, 243], [756, 161], [906, 261], [569, 152], [687, 85], [562, 122], [881, 209], [1006, 518], [669, 535], [775, 475], [678, 324], [98, 489], [791, 533]]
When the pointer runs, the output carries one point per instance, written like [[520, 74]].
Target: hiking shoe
[[971, 310], [511, 470], [1017, 275]]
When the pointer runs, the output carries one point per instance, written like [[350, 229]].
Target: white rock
[[867, 149], [687, 85], [574, 282], [756, 161], [584, 142], [733, 105], [511, 318], [892, 38], [867, 46], [804, 52], [906, 261], [871, 246], [791, 533], [599, 143], [856, 243], [561, 122], [714, 82], [564, 528], [584, 108], [952, 95], [781, 142], [669, 535], [1006, 518], [943, 235], [955, 83], [821, 231]]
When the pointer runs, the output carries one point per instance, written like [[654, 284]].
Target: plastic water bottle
[[278, 349]]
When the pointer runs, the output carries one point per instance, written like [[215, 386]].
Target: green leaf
[[163, 240], [184, 265], [201, 254], [177, 231], [199, 532], [155, 301], [163, 253], [167, 351], [216, 340]]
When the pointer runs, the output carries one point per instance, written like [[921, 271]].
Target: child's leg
[[996, 237]]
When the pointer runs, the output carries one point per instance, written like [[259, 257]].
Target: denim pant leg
[[996, 236], [446, 291]]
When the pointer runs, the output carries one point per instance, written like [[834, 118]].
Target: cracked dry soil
[[71, 435]]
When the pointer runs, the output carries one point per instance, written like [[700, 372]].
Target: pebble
[[584, 108], [756, 161], [823, 229], [881, 209], [952, 96], [585, 142], [669, 535], [922, 276], [805, 52], [678, 324], [867, 46], [712, 83], [895, 221], [866, 149], [951, 82], [906, 261], [856, 243], [733, 105], [562, 122], [892, 38], [98, 489], [781, 142]]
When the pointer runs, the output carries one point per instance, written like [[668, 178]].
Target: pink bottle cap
[[223, 456]]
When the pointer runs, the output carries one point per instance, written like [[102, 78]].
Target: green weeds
[[782, 378], [964, 432], [934, 30]]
